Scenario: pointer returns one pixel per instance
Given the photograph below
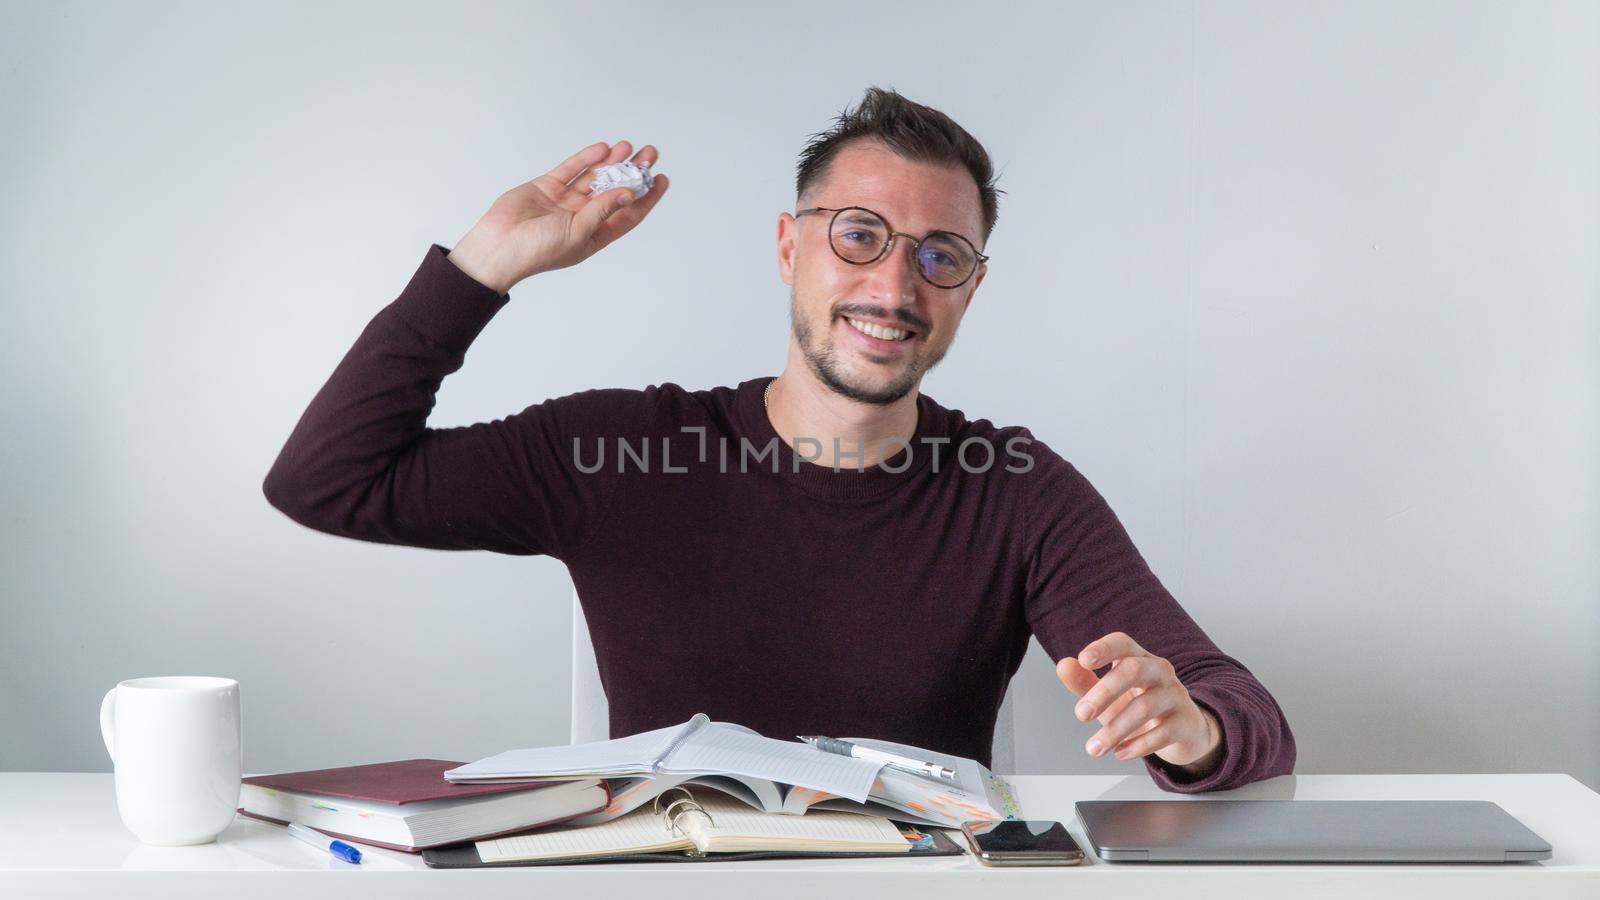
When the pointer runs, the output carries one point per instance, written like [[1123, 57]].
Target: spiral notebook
[[772, 775], [683, 827]]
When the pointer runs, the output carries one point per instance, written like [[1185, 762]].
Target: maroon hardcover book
[[400, 782]]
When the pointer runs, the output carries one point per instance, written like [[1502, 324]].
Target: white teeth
[[878, 331]]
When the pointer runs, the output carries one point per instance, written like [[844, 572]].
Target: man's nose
[[893, 279]]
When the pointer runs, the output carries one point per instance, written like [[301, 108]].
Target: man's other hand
[[1141, 705]]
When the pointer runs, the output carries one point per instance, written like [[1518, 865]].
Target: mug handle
[[107, 709]]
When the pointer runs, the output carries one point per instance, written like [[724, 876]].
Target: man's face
[[827, 293]]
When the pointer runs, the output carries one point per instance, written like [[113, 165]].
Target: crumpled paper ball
[[636, 178]]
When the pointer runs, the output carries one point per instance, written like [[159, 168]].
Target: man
[[827, 552]]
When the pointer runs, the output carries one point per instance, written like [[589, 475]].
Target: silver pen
[[892, 760]]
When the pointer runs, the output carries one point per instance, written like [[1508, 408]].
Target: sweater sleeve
[[1086, 580], [362, 463]]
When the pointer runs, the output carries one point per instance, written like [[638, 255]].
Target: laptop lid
[[1307, 831]]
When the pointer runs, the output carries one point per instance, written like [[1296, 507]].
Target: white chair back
[[591, 714]]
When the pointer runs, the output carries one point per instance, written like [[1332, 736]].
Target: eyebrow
[[862, 219], [858, 218]]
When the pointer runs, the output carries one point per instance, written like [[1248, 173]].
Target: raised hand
[[553, 222]]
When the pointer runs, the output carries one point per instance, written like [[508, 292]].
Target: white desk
[[60, 837]]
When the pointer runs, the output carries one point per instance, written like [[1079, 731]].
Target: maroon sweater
[[876, 603]]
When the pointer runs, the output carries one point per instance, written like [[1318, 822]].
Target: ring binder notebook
[[690, 807], [681, 827]]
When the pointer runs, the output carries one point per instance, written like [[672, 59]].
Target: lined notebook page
[[721, 748], [734, 819], [736, 826], [621, 756], [641, 831]]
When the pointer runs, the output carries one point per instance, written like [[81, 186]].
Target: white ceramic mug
[[176, 743]]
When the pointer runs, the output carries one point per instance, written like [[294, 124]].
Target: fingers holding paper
[[555, 221], [1141, 704], [621, 221], [580, 183], [599, 219]]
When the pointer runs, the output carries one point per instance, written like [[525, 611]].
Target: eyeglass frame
[[888, 244]]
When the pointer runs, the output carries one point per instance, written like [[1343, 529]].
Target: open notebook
[[675, 829], [774, 776], [697, 747], [709, 823], [711, 827]]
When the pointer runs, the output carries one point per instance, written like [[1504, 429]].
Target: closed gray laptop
[[1307, 831]]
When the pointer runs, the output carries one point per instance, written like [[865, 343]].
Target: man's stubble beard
[[822, 364]]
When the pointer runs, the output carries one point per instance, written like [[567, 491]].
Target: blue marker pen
[[321, 841]]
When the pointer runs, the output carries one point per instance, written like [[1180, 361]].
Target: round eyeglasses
[[860, 237]]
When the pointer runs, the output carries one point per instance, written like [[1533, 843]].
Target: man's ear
[[983, 269], [786, 247]]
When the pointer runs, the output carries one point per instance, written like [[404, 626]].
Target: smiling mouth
[[878, 331]]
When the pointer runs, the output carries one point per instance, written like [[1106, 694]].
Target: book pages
[[718, 749], [716, 823]]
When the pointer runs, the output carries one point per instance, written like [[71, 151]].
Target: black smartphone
[[1022, 842]]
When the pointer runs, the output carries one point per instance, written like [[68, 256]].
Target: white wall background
[[1309, 291]]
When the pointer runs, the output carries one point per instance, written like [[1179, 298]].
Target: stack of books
[[408, 805], [630, 799]]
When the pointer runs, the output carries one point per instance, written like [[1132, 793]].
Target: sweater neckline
[[849, 482]]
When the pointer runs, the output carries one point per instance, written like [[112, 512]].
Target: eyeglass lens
[[944, 259]]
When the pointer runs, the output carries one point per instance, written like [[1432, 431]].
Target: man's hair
[[914, 131]]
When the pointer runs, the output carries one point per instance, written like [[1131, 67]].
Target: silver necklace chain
[[766, 395]]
